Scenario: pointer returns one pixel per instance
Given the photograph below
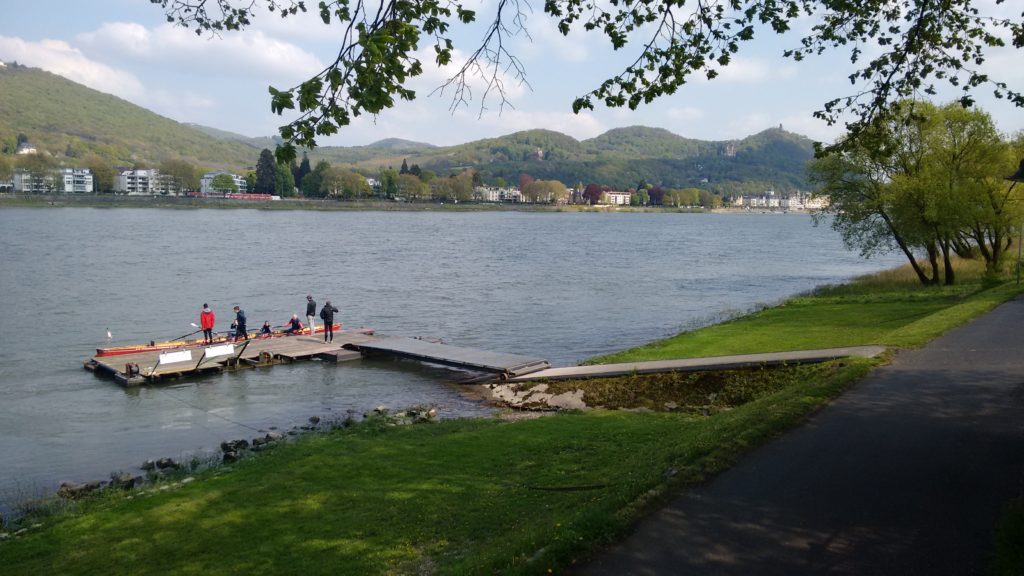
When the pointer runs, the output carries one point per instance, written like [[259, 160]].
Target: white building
[[510, 195], [74, 181], [486, 194], [206, 184], [617, 198], [137, 182], [26, 182]]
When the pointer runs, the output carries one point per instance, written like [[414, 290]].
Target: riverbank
[[175, 202], [487, 495]]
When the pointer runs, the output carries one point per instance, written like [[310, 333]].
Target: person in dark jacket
[[294, 326], [240, 331], [266, 331], [311, 314], [327, 313]]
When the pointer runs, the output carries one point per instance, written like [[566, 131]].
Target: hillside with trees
[[621, 158], [75, 125], [68, 120]]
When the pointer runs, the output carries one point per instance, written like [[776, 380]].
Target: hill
[[622, 158], [70, 120]]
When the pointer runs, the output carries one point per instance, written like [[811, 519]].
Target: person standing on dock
[[206, 320], [311, 314], [327, 313], [240, 331]]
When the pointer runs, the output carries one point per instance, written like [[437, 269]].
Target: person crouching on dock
[[294, 326]]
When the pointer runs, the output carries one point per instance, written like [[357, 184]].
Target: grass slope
[[478, 496]]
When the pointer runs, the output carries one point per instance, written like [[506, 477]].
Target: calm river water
[[563, 286]]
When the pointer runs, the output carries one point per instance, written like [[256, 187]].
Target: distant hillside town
[[37, 172]]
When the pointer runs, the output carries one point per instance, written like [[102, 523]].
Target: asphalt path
[[906, 473]]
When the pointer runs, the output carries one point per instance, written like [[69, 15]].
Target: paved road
[[904, 474]]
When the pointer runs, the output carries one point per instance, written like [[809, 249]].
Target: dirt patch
[[690, 392]]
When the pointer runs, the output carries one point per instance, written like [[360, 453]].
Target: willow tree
[[928, 180], [899, 48]]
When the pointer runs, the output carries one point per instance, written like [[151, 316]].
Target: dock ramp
[[505, 365]]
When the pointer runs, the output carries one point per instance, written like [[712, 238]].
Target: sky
[[128, 49]]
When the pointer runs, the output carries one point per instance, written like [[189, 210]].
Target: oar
[[194, 325]]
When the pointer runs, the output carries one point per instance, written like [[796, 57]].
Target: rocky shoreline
[[167, 473]]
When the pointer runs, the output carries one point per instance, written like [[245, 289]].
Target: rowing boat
[[175, 344]]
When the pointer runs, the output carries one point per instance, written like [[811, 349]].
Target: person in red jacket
[[206, 320]]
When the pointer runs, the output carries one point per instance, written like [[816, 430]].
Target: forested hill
[[71, 120], [622, 158]]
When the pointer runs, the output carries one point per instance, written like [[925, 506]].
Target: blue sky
[[126, 48]]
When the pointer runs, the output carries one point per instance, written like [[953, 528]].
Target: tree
[[524, 181], [914, 44], [923, 178], [224, 183], [266, 173], [302, 170], [462, 185], [312, 183], [411, 188], [388, 182], [5, 168], [344, 183], [183, 175], [284, 181], [592, 193], [405, 167], [103, 174]]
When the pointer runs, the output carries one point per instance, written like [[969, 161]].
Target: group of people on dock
[[207, 319]]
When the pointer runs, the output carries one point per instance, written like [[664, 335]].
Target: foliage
[[266, 173], [344, 184], [51, 111], [551, 191], [312, 183], [183, 174], [773, 159], [923, 178], [918, 43], [224, 183], [284, 182]]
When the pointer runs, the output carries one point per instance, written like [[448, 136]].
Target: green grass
[[460, 497], [1009, 546], [489, 496], [888, 309]]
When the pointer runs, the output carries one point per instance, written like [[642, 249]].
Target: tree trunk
[[947, 264], [933, 259], [921, 276]]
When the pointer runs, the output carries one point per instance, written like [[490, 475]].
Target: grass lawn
[[483, 496]]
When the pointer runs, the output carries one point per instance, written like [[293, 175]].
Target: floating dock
[[153, 366]]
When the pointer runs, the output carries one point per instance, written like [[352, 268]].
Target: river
[[563, 286]]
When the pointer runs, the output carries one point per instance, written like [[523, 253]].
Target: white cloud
[[685, 114], [751, 70], [434, 77], [61, 58], [248, 54]]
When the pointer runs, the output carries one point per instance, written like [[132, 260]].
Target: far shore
[[182, 202]]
